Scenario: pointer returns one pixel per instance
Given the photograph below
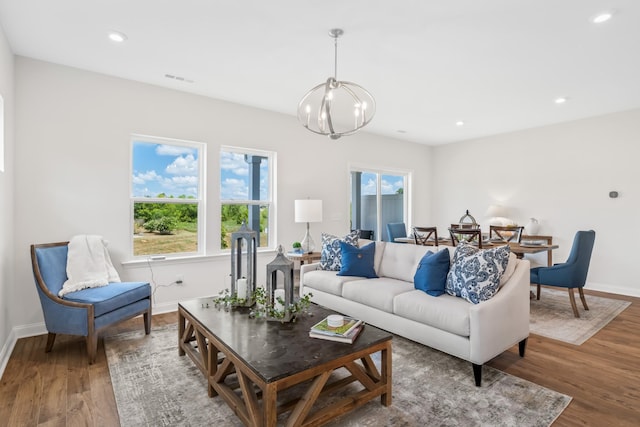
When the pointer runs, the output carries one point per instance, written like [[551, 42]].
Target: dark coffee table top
[[275, 350]]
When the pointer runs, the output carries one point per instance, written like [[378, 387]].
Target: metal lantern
[[244, 286], [284, 265]]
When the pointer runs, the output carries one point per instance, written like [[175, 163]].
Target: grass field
[[146, 243], [152, 243]]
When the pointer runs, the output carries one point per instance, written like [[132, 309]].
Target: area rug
[[552, 316], [154, 386]]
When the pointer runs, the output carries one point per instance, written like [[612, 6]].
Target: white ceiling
[[497, 65]]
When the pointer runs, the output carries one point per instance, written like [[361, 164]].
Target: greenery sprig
[[227, 301]]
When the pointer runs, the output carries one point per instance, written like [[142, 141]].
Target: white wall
[[561, 175], [7, 263], [73, 159]]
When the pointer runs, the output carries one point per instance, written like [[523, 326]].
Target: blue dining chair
[[570, 274], [88, 311], [396, 229]]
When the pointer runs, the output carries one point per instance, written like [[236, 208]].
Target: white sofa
[[473, 332]]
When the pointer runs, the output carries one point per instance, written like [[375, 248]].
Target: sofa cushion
[[376, 293], [378, 253], [431, 276], [111, 297], [475, 273], [447, 312], [357, 261], [511, 267], [331, 256], [327, 281], [400, 261]]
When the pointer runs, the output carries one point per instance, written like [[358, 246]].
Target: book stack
[[346, 333]]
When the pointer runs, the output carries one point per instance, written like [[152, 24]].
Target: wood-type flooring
[[602, 375]]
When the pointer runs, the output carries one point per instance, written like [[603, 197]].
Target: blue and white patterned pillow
[[475, 273], [331, 255]]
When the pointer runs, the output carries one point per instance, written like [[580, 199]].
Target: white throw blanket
[[88, 264]]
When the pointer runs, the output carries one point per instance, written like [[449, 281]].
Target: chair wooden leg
[[50, 339], [147, 322], [92, 347], [538, 292], [584, 301], [572, 298]]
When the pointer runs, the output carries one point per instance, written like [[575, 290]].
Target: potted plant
[[297, 247]]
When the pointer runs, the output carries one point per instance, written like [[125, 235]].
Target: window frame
[[270, 202], [200, 200], [380, 172]]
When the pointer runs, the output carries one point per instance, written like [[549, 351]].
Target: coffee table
[[268, 369]]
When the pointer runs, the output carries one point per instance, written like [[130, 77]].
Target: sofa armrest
[[305, 268], [502, 321]]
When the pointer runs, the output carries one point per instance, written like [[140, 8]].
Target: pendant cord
[[335, 58]]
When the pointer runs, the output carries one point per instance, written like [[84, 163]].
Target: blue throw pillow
[[358, 261], [431, 275]]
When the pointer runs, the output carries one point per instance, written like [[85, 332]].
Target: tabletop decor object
[[532, 227], [279, 300], [243, 285]]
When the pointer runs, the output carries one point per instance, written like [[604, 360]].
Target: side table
[[308, 257]]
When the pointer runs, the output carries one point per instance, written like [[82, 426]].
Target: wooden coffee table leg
[[385, 398], [269, 404], [181, 323]]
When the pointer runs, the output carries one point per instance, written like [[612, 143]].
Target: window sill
[[174, 260]]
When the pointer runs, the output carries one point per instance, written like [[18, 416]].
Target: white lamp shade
[[308, 210]]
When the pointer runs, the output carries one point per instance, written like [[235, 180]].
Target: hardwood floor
[[602, 375]]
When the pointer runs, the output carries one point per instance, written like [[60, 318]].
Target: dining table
[[529, 244]]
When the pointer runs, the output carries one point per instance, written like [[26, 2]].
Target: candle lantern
[[285, 266], [244, 285]]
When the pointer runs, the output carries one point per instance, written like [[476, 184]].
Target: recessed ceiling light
[[117, 36], [459, 123], [602, 17], [560, 100]]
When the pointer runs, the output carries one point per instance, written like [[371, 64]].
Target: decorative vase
[[532, 227]]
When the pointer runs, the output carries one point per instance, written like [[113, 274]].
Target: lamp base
[[308, 245]]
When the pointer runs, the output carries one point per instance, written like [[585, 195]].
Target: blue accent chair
[[88, 311], [396, 229], [571, 274]]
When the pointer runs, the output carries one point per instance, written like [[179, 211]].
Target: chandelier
[[336, 108]]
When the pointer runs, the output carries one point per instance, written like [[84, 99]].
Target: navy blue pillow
[[357, 261], [431, 275]]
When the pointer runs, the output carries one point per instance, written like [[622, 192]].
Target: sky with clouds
[[173, 170], [389, 184], [160, 168]]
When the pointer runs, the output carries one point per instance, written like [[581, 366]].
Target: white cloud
[[173, 150], [234, 189], [143, 177], [181, 181], [187, 165], [234, 163]]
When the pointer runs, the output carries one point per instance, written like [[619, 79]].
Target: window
[[166, 196], [246, 194], [378, 198]]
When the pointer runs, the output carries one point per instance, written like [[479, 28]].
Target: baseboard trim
[[603, 287], [35, 329], [6, 351]]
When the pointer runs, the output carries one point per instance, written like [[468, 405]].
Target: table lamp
[[308, 211], [498, 215]]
